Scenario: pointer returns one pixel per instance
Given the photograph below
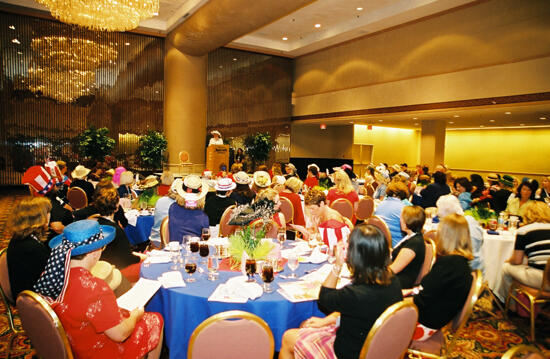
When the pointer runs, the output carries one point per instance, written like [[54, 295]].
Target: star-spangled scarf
[[53, 281]]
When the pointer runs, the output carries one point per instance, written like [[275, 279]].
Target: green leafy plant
[[258, 147], [250, 242], [482, 214], [95, 143], [151, 148]]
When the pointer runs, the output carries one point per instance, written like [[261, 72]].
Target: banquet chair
[[234, 334], [391, 334], [365, 208], [534, 295], [43, 327], [374, 185], [7, 297], [523, 352], [429, 259], [271, 228], [381, 225], [164, 233], [369, 190], [436, 346], [227, 229], [77, 197], [344, 207], [287, 208]]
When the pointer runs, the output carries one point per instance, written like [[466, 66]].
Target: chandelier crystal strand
[[103, 15]]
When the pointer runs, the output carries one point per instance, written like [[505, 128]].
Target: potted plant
[[151, 148], [95, 144], [258, 147]]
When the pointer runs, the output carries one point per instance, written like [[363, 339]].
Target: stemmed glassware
[[205, 235], [203, 252], [193, 245], [250, 267], [213, 265], [267, 276], [174, 254], [293, 264], [190, 268]]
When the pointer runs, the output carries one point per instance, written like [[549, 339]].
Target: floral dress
[[89, 308]]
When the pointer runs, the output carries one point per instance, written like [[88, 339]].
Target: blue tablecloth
[[140, 233], [183, 309]]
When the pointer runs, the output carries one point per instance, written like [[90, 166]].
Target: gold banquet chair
[[43, 327], [391, 333], [436, 346], [287, 209], [7, 297], [232, 335], [381, 225], [365, 208], [344, 207], [429, 259], [523, 352]]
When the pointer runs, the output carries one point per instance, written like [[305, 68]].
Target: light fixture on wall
[[103, 15], [323, 126]]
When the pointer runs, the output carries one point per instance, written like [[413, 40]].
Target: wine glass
[[213, 265], [205, 235], [203, 252], [267, 276], [250, 267], [190, 268], [174, 254], [293, 264], [185, 244], [143, 205], [194, 245]]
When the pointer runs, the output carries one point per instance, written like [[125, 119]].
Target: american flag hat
[[333, 231], [54, 170], [39, 179]]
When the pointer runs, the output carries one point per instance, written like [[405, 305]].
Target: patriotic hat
[[333, 231], [39, 179], [225, 184], [54, 170]]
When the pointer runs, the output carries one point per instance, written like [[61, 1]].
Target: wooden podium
[[217, 155]]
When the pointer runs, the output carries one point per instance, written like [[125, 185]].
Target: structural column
[[185, 104], [432, 143]]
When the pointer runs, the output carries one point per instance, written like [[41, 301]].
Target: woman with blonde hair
[[293, 185], [343, 188], [444, 290], [272, 195], [27, 253], [533, 242]]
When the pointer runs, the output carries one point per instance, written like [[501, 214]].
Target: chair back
[[5, 286], [523, 352], [381, 225], [287, 208], [164, 233], [365, 208], [43, 326], [271, 227], [391, 334], [429, 259], [344, 207], [369, 190], [232, 335], [545, 287], [227, 229], [374, 185], [77, 197]]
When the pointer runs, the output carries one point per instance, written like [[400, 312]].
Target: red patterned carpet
[[484, 336]]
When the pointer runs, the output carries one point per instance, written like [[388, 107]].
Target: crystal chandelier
[[103, 15], [63, 86]]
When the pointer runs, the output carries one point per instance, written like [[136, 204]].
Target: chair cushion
[[432, 345], [531, 290]]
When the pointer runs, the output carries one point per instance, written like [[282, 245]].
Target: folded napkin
[[236, 290], [157, 256], [171, 279], [316, 256], [132, 216]]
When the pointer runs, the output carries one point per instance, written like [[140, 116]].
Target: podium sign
[[216, 155]]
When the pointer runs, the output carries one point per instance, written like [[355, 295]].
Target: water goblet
[[293, 264], [174, 254], [190, 268], [205, 235], [203, 252], [194, 245], [213, 265], [185, 245]]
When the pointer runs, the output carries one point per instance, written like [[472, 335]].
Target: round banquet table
[[183, 309], [496, 250], [140, 232]]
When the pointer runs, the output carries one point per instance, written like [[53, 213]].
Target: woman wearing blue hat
[[87, 307]]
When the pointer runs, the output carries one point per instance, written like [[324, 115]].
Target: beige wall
[[494, 48], [312, 142]]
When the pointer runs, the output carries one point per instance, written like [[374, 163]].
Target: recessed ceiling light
[[359, 9], [507, 113], [285, 38], [416, 123], [456, 116], [234, 59], [15, 41], [542, 118], [380, 120], [317, 25], [415, 118], [127, 43], [491, 120], [522, 124], [451, 122], [12, 27]]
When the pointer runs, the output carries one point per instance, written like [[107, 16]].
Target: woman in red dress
[[312, 179], [87, 307], [343, 189], [292, 187]]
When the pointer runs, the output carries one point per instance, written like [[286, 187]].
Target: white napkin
[[317, 256], [132, 216], [171, 279], [236, 290], [157, 256]]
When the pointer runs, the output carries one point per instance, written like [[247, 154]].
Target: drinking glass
[[293, 264], [205, 234], [213, 265], [190, 268], [203, 252], [193, 245], [281, 237], [185, 245], [267, 276], [174, 254], [143, 205], [250, 267]]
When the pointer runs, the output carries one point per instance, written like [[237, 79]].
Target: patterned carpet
[[484, 336]]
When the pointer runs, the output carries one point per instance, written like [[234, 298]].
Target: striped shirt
[[534, 240]]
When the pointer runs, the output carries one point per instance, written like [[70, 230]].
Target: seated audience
[[275, 170], [381, 178], [533, 243], [478, 186], [91, 210], [292, 187], [449, 204], [543, 193], [27, 253], [290, 171], [278, 183], [166, 180], [262, 180], [116, 175], [408, 254], [343, 189], [373, 289], [272, 195], [444, 290], [464, 189], [161, 212], [79, 176], [125, 186], [186, 216], [96, 327], [524, 194], [242, 194], [390, 209], [434, 190], [312, 179], [216, 205], [501, 195], [149, 196]]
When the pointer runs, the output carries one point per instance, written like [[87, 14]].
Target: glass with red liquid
[[205, 235], [190, 268], [250, 267], [267, 276]]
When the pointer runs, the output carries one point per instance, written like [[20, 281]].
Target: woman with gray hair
[[449, 204]]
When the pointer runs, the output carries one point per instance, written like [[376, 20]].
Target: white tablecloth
[[496, 250]]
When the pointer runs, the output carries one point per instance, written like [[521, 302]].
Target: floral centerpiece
[[253, 219], [482, 214]]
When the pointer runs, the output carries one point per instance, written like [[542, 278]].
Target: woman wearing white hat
[[80, 175], [216, 205], [216, 139], [186, 216]]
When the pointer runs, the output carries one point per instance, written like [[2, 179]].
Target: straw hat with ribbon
[[241, 177], [80, 172], [187, 190]]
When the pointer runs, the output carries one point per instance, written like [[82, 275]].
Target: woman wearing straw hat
[[242, 193], [216, 139], [216, 205], [87, 307], [186, 216], [79, 176]]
